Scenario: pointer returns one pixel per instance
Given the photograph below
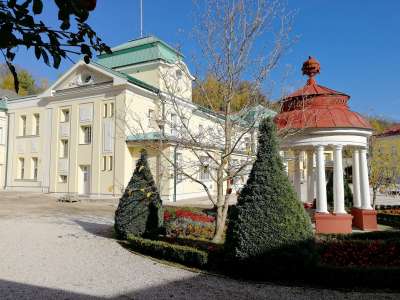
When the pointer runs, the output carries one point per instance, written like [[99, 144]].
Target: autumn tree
[[379, 124], [20, 26], [28, 85], [246, 95], [384, 166]]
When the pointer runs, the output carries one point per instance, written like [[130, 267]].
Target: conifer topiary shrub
[[269, 230], [140, 208]]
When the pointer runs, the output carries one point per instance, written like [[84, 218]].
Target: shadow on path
[[196, 287], [98, 229]]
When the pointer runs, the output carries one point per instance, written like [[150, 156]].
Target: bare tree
[[239, 40]]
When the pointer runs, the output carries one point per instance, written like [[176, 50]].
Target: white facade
[[83, 135]]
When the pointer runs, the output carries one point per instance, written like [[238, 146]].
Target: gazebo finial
[[311, 67]]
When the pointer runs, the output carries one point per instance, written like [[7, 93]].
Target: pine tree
[[268, 220], [140, 208]]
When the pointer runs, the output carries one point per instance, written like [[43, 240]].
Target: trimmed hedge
[[373, 235], [348, 276], [389, 219], [184, 255]]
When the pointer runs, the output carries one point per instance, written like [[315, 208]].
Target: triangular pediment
[[83, 76]]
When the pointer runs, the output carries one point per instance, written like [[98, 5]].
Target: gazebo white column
[[310, 176], [338, 184], [364, 186], [356, 179], [284, 161], [322, 206], [297, 175]]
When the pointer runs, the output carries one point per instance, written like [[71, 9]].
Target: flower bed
[[360, 253], [189, 222], [394, 212]]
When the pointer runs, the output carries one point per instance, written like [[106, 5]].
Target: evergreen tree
[[140, 208], [268, 220]]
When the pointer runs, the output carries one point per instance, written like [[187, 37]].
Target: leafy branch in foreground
[[19, 26]]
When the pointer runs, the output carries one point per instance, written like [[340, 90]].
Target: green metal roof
[[130, 79], [254, 115], [148, 136], [139, 51], [3, 104]]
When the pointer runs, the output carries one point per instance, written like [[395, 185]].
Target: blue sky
[[357, 43]]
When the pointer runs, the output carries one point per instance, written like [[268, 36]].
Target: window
[[104, 163], [110, 163], [35, 168], [394, 150], [86, 134], [105, 108], [36, 121], [247, 143], [151, 117], [111, 109], [178, 74], [108, 110], [65, 115], [21, 168], [23, 126], [63, 178], [235, 164], [1, 136], [201, 130], [173, 125], [64, 149], [107, 163], [204, 168], [179, 166]]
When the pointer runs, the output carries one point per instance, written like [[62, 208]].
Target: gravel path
[[52, 250]]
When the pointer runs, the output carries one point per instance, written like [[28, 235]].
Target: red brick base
[[364, 219], [333, 223]]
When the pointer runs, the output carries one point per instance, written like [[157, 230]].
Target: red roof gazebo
[[315, 119]]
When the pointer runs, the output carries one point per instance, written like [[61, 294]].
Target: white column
[[338, 184], [310, 176], [356, 179], [284, 161], [297, 175], [364, 183], [322, 206]]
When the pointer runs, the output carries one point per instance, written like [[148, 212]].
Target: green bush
[[177, 253], [140, 208], [269, 228], [389, 219]]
